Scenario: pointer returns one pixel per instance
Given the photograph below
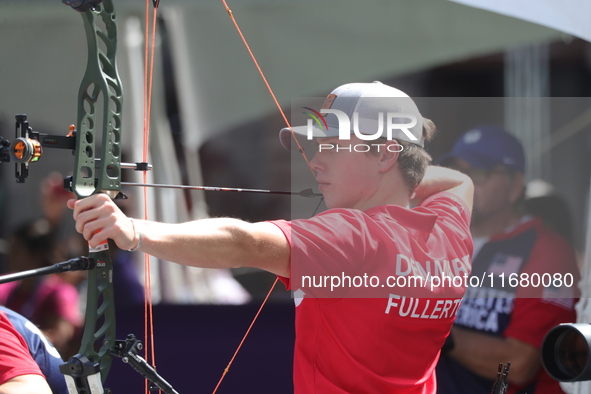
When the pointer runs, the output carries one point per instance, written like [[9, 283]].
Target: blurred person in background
[[48, 301], [497, 324]]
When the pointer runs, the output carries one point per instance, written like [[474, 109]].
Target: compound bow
[[101, 89], [100, 100]]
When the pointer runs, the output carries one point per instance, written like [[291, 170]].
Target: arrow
[[304, 193]]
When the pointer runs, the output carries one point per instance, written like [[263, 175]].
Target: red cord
[[256, 63], [149, 349], [244, 337]]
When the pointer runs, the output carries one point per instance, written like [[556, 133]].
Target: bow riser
[[100, 87], [100, 80]]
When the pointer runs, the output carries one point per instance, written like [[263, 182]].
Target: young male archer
[[378, 339]]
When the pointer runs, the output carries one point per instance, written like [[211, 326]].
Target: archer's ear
[[388, 154]]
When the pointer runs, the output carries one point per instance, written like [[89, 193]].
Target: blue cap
[[489, 146]]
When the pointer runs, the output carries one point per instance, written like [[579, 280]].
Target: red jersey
[[390, 341], [15, 359]]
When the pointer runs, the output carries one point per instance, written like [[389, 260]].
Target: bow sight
[[27, 146]]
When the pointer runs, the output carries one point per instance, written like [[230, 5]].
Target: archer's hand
[[440, 179], [98, 218]]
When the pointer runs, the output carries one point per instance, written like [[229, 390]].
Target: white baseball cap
[[369, 107]]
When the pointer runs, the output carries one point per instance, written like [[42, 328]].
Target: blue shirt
[[43, 352]]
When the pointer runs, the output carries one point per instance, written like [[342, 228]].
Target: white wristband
[[139, 243]]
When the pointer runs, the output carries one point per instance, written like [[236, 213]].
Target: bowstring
[[149, 349], [148, 82], [245, 335], [302, 152], [262, 74]]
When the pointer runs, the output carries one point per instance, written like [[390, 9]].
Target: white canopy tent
[[304, 47]]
